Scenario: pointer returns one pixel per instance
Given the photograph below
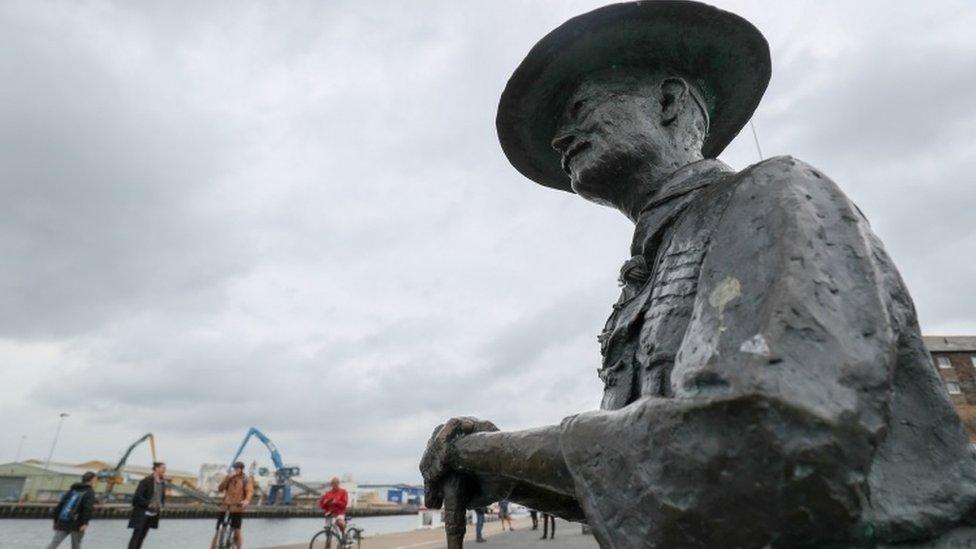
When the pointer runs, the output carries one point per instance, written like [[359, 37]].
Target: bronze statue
[[765, 382]]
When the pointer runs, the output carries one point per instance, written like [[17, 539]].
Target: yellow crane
[[111, 477]]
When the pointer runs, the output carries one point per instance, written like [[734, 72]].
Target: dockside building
[[954, 357]]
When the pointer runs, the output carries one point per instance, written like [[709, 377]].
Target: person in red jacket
[[334, 504]]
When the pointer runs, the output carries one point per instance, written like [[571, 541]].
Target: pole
[[755, 137], [455, 514], [55, 441], [20, 447]]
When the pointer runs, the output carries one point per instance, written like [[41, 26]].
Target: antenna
[[756, 138]]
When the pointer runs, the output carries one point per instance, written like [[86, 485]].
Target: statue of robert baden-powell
[[765, 380]]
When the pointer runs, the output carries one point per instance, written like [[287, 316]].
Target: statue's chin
[[592, 195], [594, 184]]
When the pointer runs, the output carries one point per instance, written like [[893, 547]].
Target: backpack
[[72, 507]]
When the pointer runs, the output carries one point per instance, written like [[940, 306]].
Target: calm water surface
[[184, 533]]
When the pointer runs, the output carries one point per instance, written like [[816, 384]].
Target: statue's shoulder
[[784, 164], [782, 180], [784, 171]]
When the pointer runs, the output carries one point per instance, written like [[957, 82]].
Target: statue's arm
[[532, 456], [781, 386], [523, 466]]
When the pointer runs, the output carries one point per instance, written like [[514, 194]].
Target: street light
[[55, 441], [20, 447]]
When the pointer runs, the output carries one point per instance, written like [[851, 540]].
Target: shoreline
[[42, 511]]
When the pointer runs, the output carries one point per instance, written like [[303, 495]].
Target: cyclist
[[238, 490], [334, 503]]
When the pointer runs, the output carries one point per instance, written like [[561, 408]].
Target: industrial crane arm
[[152, 448], [275, 455], [282, 474], [111, 477]]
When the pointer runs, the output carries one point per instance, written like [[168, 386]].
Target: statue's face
[[609, 129]]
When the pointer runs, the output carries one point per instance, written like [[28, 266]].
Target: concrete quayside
[[117, 511], [568, 536]]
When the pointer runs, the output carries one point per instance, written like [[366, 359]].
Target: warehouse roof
[[80, 468], [950, 343], [56, 468], [135, 469]]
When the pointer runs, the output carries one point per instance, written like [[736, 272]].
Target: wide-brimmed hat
[[722, 54]]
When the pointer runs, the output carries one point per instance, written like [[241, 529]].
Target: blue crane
[[283, 474]]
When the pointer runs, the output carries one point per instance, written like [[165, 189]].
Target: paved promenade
[[568, 536]]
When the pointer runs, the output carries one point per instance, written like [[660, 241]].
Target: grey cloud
[[99, 167], [888, 121], [524, 340]]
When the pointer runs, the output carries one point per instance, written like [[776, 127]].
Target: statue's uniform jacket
[[765, 363]]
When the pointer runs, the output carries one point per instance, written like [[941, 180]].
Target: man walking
[[504, 514], [548, 519], [73, 512], [238, 489], [479, 524], [147, 503]]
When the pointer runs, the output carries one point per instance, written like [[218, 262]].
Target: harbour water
[[182, 533]]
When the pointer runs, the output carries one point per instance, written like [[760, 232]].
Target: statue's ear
[[673, 93]]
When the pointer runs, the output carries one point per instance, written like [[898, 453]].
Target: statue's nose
[[562, 142]]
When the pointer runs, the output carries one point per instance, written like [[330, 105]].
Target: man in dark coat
[[73, 511], [765, 381], [147, 503]]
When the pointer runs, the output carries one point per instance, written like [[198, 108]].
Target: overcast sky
[[296, 215]]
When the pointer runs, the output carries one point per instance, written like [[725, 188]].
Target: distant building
[[303, 492], [390, 494], [135, 473], [308, 492], [210, 476], [954, 357], [31, 480]]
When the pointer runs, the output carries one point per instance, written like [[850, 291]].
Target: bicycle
[[330, 533], [225, 534]]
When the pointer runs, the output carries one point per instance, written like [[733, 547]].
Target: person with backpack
[[238, 489], [147, 504], [73, 512]]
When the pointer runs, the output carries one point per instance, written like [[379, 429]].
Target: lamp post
[[20, 447], [55, 441]]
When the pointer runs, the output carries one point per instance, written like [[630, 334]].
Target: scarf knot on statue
[[634, 271]]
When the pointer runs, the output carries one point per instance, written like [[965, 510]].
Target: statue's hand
[[437, 460]]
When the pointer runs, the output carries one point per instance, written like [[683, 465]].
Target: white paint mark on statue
[[723, 294], [756, 345]]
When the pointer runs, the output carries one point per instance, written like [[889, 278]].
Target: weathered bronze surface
[[765, 381]]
